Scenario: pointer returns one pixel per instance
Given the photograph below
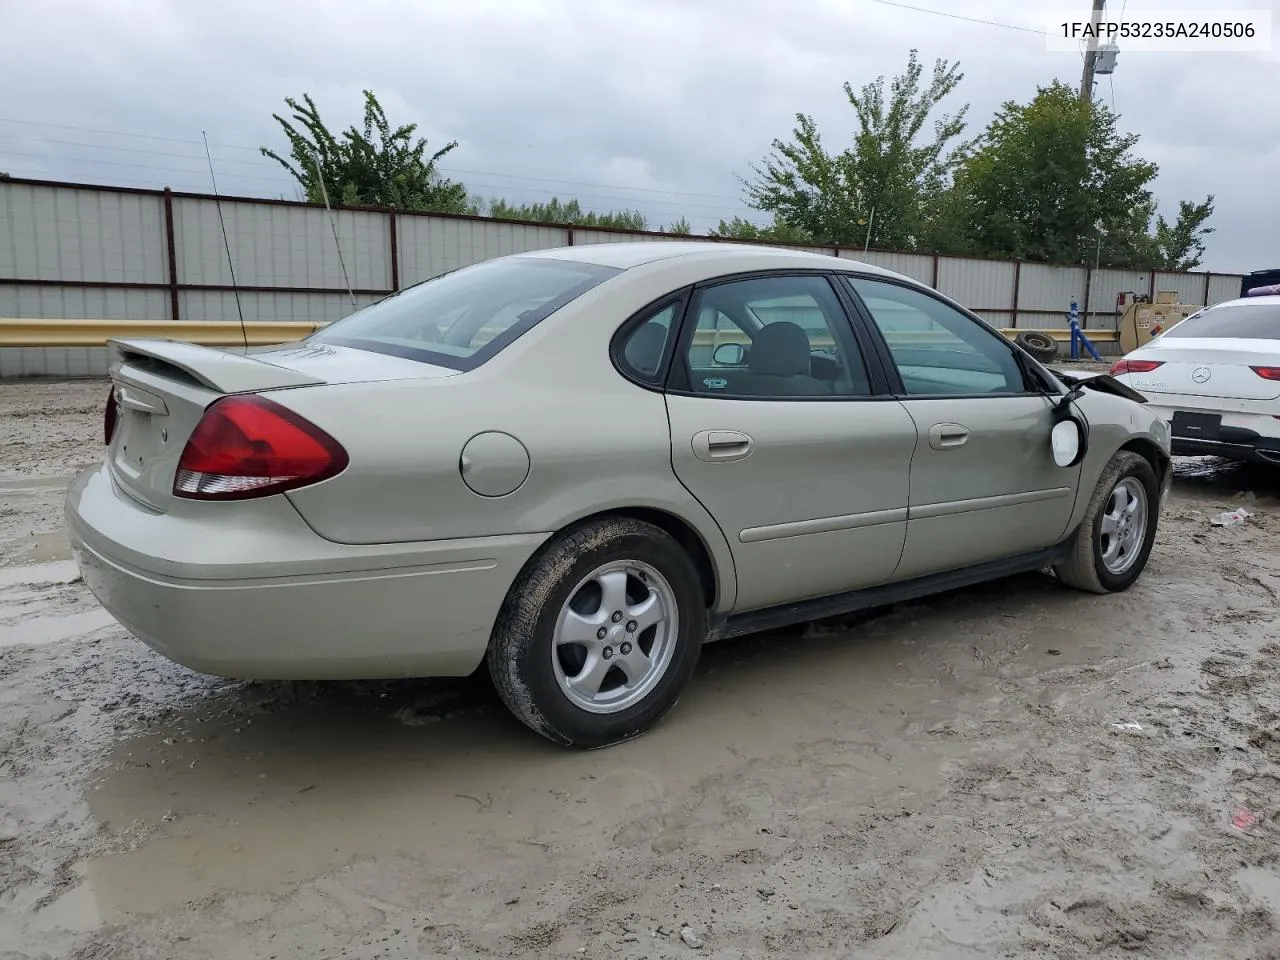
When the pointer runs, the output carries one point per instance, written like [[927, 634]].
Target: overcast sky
[[658, 105]]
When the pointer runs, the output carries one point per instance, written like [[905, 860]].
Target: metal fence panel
[[1045, 294], [1105, 285], [278, 245], [430, 246], [60, 233], [918, 266], [1003, 319], [585, 235], [981, 285], [1188, 286], [1223, 287], [24, 301], [312, 307], [63, 362], [73, 237]]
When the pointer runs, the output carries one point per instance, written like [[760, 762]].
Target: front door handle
[[945, 436], [722, 445]]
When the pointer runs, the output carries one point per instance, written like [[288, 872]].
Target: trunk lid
[[162, 388], [1209, 368]]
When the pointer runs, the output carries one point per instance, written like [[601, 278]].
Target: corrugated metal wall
[[1223, 286], [75, 252], [430, 246], [917, 266]]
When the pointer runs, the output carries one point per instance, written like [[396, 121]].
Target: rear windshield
[[1242, 321], [464, 317]]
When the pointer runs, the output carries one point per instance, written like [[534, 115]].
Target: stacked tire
[[1040, 345]]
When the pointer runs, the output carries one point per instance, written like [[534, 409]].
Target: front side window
[[1243, 321], [463, 318], [937, 349], [773, 337]]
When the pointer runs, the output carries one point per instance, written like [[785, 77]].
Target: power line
[[477, 186], [119, 133], [150, 152], [262, 162], [957, 16]]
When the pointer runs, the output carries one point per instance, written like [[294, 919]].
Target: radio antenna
[[217, 202], [324, 192]]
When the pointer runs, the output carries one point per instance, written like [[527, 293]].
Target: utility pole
[[1091, 55]]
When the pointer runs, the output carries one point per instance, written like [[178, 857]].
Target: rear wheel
[[1113, 542], [600, 634]]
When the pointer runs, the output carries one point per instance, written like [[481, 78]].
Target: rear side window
[[463, 318], [1244, 321]]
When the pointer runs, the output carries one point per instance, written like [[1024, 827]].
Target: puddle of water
[[39, 630], [25, 484], [237, 800], [58, 571], [38, 548], [1261, 884], [75, 911], [26, 616]]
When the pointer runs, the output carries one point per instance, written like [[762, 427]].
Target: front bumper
[[252, 592]]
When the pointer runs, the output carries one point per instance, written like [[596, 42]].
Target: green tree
[[681, 226], [375, 166], [1180, 245], [890, 179], [1056, 180], [556, 211], [777, 232]]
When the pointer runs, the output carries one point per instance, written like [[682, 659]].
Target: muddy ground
[[943, 779]]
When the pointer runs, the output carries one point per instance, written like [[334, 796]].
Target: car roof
[[737, 256], [1271, 298]]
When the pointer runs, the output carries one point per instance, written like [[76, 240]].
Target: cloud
[[658, 105]]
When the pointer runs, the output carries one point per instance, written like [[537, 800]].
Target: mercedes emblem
[[1201, 374]]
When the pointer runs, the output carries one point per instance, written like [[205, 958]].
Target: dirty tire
[[1040, 345], [1084, 568], [520, 654]]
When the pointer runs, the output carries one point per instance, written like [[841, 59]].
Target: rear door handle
[[944, 436], [722, 445]]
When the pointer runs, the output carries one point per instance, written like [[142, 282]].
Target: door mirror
[[729, 355], [1068, 439]]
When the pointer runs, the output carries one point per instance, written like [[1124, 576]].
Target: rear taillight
[[1267, 373], [1121, 367], [252, 447], [110, 417]]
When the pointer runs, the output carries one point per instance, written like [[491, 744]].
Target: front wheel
[[1111, 546], [600, 634]]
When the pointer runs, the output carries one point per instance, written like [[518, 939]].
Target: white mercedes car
[[1215, 377]]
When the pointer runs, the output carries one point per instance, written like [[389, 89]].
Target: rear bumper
[[1249, 429], [270, 599], [1260, 450]]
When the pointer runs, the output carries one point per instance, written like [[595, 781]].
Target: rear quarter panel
[[595, 441]]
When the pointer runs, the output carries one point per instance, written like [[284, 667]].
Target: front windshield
[[462, 318], [1239, 321]]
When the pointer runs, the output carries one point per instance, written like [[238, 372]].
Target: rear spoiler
[[211, 367]]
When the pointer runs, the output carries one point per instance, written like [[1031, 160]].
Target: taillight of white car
[[249, 446], [1121, 367]]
